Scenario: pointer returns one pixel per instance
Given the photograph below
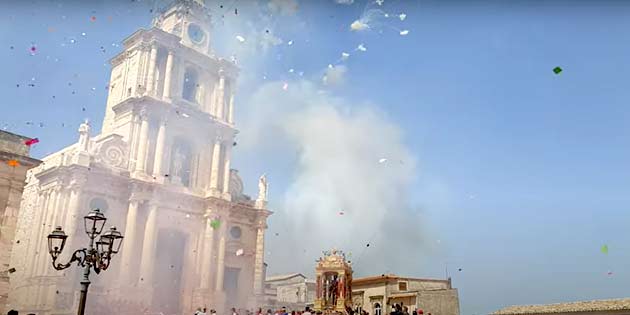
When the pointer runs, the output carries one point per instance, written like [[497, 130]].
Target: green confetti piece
[[215, 223], [557, 70], [605, 249]]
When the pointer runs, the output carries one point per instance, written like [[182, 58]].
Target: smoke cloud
[[342, 193]]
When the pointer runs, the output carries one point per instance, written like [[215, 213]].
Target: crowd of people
[[399, 309], [282, 311]]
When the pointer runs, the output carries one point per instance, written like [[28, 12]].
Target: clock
[[195, 33]]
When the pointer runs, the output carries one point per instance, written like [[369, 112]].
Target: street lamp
[[89, 258]]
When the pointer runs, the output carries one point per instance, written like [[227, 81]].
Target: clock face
[[195, 33]]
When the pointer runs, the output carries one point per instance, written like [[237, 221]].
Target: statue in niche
[[178, 164], [84, 136], [262, 188]]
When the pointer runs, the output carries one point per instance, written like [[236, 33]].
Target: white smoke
[[340, 195], [330, 148], [335, 75]]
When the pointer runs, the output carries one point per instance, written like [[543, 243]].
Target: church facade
[[160, 171]]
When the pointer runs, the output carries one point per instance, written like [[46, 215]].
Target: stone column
[[159, 150], [47, 228], [259, 260], [230, 117], [151, 74], [214, 170], [220, 100], [226, 171], [168, 75], [72, 218], [135, 132], [148, 247], [143, 140], [221, 256], [36, 236], [129, 244], [206, 265]]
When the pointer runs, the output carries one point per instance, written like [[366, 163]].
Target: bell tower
[[172, 101], [190, 21]]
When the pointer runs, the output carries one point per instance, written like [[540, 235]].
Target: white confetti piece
[[345, 56], [290, 43], [240, 38], [285, 86], [383, 160], [359, 25], [361, 47], [239, 252], [402, 16], [404, 32]]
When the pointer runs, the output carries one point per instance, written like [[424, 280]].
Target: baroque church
[[160, 171]]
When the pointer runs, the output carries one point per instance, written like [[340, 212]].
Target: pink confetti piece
[[31, 141]]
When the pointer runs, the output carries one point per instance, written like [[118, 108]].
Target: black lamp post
[[89, 258]]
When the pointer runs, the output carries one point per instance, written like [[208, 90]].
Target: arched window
[[180, 170], [377, 309], [191, 86]]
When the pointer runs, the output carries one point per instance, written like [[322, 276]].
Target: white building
[[293, 291], [160, 171]]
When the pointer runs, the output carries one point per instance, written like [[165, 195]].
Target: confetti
[[557, 70], [285, 86], [215, 224], [33, 49], [11, 270], [345, 56], [610, 273], [361, 47], [340, 212], [367, 245], [187, 214], [13, 163], [402, 16], [92, 19], [31, 141], [240, 38], [383, 160], [380, 2], [290, 43], [83, 34], [404, 32], [239, 252], [460, 269], [359, 25], [604, 249]]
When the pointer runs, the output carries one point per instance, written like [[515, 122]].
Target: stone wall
[[12, 179], [439, 302]]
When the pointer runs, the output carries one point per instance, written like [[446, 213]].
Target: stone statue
[[262, 188], [84, 136], [178, 163], [333, 291]]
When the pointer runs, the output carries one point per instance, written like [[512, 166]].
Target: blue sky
[[522, 174]]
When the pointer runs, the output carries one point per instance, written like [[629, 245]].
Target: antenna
[[446, 269]]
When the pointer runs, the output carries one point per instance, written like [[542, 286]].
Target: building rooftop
[[284, 277], [571, 307], [386, 277], [13, 143]]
